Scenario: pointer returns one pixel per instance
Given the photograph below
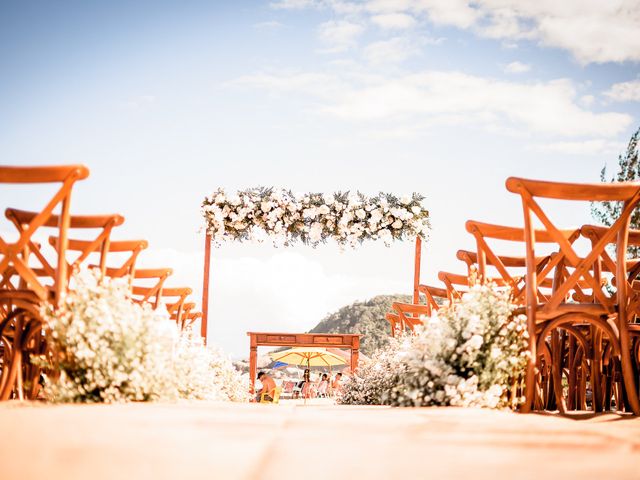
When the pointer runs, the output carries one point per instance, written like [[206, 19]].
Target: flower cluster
[[106, 348], [473, 353], [374, 378], [313, 218]]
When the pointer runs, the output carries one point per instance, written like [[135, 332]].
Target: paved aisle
[[230, 441]]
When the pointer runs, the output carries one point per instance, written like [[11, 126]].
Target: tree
[[628, 170]]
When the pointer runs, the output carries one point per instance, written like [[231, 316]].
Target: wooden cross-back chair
[[406, 316], [174, 299], [456, 284], [606, 265], [21, 323], [103, 224], [189, 318], [435, 297], [13, 254], [151, 294], [544, 319], [512, 269], [126, 267]]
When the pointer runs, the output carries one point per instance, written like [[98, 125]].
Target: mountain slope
[[366, 318]]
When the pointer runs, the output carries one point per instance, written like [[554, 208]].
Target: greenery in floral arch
[[313, 218]]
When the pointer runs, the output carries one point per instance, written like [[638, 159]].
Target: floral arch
[[286, 218]]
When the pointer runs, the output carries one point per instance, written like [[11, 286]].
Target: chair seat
[[23, 295], [543, 314]]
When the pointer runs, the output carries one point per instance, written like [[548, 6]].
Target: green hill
[[366, 318]]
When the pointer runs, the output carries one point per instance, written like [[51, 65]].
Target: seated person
[[323, 386], [268, 387], [335, 386]]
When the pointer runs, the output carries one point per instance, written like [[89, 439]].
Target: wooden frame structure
[[207, 271], [349, 341]]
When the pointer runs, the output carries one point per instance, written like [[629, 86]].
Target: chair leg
[[630, 388]]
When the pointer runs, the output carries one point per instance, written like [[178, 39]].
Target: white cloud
[[459, 13], [339, 35], [394, 50], [517, 67], [294, 4], [587, 100], [592, 31], [586, 147], [444, 97], [268, 25], [624, 92], [394, 21]]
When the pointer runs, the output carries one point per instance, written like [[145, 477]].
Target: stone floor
[[232, 441]]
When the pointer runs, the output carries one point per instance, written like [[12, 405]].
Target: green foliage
[[628, 171], [366, 318]]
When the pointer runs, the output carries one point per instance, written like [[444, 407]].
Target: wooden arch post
[[205, 287], [416, 271]]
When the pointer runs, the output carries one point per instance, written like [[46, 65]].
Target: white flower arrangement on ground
[[313, 218], [473, 353], [106, 348]]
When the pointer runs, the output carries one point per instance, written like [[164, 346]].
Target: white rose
[[323, 209], [361, 214], [265, 206], [310, 212], [376, 216], [476, 341], [315, 233], [405, 200], [416, 209], [397, 224]]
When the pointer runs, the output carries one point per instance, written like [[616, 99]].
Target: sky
[[167, 101]]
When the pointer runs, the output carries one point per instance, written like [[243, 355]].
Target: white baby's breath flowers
[[106, 348], [472, 353]]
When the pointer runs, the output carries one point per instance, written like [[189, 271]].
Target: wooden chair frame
[[13, 254], [105, 223], [21, 325], [150, 294], [486, 256], [556, 310], [127, 268]]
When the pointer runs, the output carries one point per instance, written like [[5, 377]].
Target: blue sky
[[166, 101]]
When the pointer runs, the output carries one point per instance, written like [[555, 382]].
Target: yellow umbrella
[[309, 356]]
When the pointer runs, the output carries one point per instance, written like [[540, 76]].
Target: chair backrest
[[432, 295], [456, 284], [149, 293], [529, 191], [190, 318], [106, 251], [174, 299], [604, 263], [104, 224], [406, 316], [13, 254], [513, 269]]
